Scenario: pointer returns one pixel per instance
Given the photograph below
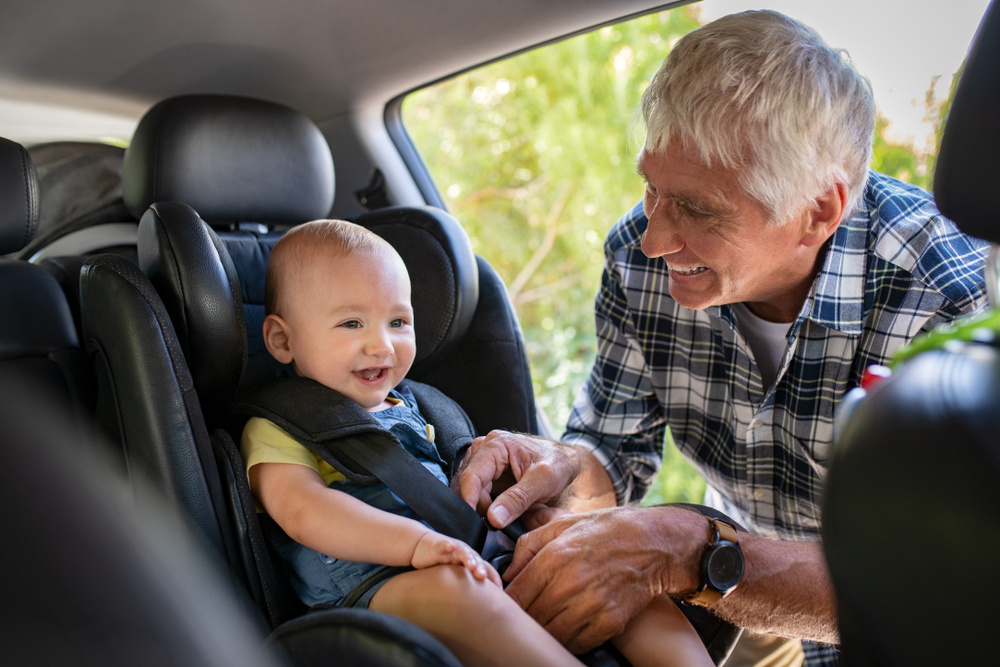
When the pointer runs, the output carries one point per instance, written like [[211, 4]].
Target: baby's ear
[[277, 338]]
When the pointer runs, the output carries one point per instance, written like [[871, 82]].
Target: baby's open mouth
[[371, 373]]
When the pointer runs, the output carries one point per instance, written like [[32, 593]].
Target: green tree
[[534, 155]]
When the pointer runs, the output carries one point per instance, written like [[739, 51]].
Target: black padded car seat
[[39, 346], [912, 496], [92, 580], [212, 283], [150, 405]]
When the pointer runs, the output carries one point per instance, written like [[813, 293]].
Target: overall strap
[[453, 429]]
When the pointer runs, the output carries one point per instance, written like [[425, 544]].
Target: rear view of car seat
[[91, 580], [39, 346], [911, 517]]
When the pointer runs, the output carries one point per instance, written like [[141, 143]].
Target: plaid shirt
[[895, 269]]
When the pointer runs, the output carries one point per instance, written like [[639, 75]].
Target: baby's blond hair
[[296, 248]]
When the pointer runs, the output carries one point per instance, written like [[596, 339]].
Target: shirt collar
[[836, 299]]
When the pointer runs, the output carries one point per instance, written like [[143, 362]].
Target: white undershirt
[[766, 341]]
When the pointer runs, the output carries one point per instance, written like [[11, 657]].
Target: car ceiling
[[322, 57]]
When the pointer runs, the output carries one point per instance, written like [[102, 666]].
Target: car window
[[535, 157]]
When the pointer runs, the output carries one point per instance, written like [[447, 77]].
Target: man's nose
[[661, 236]]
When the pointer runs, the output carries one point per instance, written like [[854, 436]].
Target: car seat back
[[39, 346], [911, 496], [93, 580]]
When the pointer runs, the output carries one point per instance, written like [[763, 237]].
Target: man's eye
[[694, 213], [691, 211]]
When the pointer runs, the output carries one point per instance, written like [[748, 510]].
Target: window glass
[[535, 157]]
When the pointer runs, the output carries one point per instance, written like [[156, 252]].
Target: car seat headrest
[[19, 185], [233, 159], [966, 175]]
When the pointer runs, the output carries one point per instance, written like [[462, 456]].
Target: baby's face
[[351, 326]]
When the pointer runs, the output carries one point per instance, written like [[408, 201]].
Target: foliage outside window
[[535, 157]]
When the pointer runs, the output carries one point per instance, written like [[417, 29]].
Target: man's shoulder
[[909, 232], [892, 201]]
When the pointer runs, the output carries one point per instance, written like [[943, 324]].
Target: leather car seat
[[93, 580], [911, 515], [39, 346]]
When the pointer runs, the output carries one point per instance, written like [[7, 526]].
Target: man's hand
[[541, 470], [584, 576], [529, 470]]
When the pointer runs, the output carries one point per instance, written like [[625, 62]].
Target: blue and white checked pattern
[[893, 270]]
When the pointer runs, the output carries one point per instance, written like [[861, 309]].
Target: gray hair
[[763, 94]]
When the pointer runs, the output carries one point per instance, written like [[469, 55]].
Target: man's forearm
[[786, 590]]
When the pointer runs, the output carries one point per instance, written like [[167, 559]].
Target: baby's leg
[[661, 635], [476, 620]]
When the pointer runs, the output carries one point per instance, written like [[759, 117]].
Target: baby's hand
[[437, 549]]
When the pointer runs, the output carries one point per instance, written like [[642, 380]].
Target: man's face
[[350, 326], [716, 241]]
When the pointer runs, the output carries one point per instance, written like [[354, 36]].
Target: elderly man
[[764, 271]]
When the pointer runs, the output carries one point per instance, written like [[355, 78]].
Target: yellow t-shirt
[[264, 441]]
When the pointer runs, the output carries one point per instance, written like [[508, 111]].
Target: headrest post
[[993, 276]]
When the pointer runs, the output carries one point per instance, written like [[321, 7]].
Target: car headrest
[[233, 159], [967, 172], [912, 494], [19, 188]]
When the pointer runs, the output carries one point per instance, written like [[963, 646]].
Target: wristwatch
[[721, 567]]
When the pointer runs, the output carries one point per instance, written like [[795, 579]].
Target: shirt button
[[759, 494]]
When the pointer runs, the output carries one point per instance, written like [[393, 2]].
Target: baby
[[338, 310]]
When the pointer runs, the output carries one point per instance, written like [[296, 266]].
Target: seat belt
[[424, 493]]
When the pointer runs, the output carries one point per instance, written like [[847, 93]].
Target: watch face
[[725, 566]]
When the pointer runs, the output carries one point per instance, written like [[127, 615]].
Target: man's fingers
[[470, 488], [536, 485], [524, 550]]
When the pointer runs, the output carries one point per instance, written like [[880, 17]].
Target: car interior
[[132, 293]]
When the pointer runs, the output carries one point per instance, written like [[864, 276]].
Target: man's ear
[[277, 338], [824, 215]]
